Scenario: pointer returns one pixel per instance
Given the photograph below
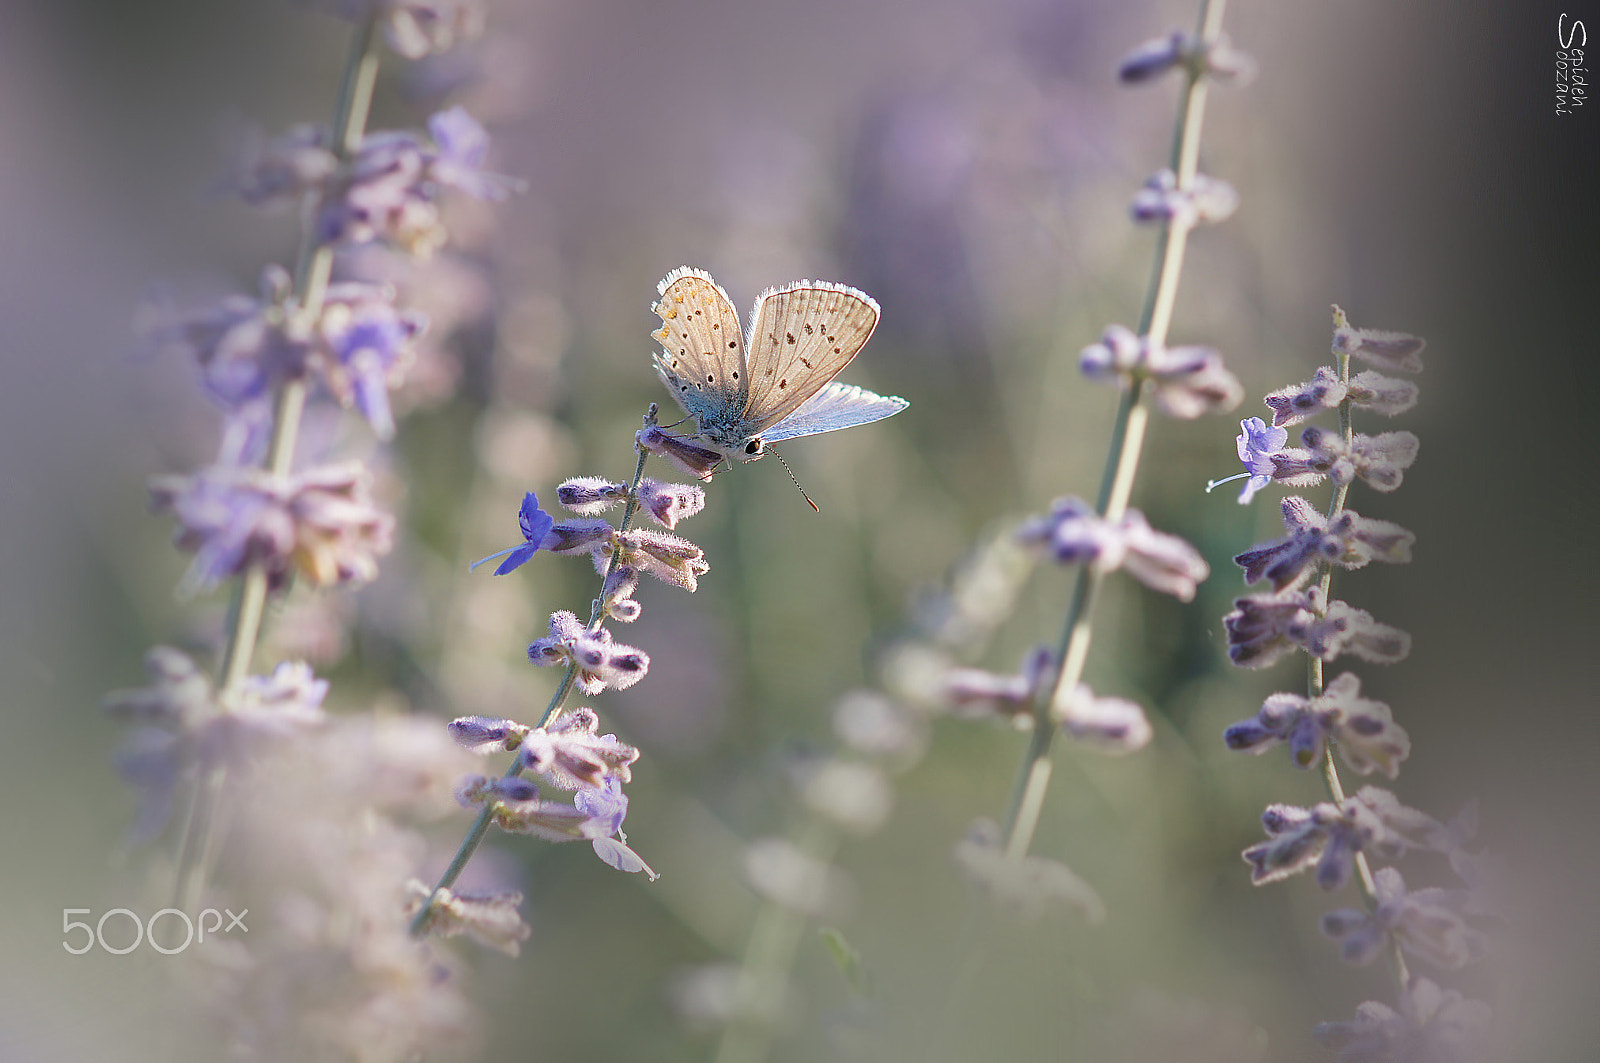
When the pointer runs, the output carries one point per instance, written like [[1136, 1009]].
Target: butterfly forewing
[[702, 358], [801, 337]]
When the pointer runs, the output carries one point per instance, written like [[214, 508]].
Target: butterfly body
[[774, 382]]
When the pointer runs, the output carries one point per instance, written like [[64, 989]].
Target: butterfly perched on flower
[[775, 382]]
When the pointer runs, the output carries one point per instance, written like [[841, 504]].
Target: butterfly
[[746, 390]]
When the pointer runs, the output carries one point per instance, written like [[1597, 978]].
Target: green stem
[[480, 826], [1032, 779], [250, 594]]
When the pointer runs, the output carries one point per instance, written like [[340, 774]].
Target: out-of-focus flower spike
[[1032, 886], [1112, 725], [1152, 58], [1432, 1024], [1206, 200], [1218, 59]]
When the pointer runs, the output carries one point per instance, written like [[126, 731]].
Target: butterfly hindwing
[[835, 406], [801, 336]]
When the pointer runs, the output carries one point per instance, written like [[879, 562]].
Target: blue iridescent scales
[[775, 382]]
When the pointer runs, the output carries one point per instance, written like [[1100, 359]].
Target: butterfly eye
[[755, 446]]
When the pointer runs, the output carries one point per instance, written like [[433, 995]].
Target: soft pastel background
[[968, 163]]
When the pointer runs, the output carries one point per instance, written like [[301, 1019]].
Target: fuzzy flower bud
[[589, 496], [1031, 886], [1349, 541], [1432, 1026], [1329, 836], [1300, 402], [1427, 924], [616, 597], [1397, 352], [1380, 460], [1185, 382], [491, 919], [975, 694], [485, 734], [669, 503], [320, 522], [601, 662], [666, 557], [1112, 725], [1206, 200], [1362, 730], [1073, 533], [687, 456], [1218, 59], [569, 755]]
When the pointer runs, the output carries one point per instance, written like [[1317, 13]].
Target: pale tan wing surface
[[801, 336], [702, 346]]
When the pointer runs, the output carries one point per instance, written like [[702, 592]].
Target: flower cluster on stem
[[261, 518], [1343, 838]]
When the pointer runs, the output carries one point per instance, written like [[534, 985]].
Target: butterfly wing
[[801, 336], [835, 406], [702, 357]]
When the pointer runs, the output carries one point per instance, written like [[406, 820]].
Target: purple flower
[[1362, 730], [669, 558], [1380, 460], [1219, 59], [486, 734], [368, 345], [1394, 351], [1185, 382], [535, 524], [600, 661], [667, 504], [1205, 200], [686, 455], [491, 919], [1432, 1026], [568, 754], [1263, 627], [606, 808], [1349, 541], [1329, 836], [1257, 444], [589, 496], [1299, 402], [1073, 533], [280, 171], [1113, 725], [975, 694], [1427, 924], [462, 147]]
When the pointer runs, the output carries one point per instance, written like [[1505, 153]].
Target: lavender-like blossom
[[1349, 541], [391, 186], [600, 661], [669, 503], [1329, 836], [1362, 730], [1185, 382], [1398, 352], [536, 527], [1380, 460], [666, 557], [486, 734], [1299, 402], [1032, 886], [1217, 58], [680, 451], [606, 808], [1073, 533], [1112, 725], [976, 694], [589, 496], [320, 523], [491, 919], [1433, 1025], [1257, 443], [414, 28], [1428, 924], [368, 344], [280, 171], [569, 755], [596, 816], [1263, 627], [1204, 201]]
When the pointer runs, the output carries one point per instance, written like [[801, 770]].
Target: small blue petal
[[517, 558]]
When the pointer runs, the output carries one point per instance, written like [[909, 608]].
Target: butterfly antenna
[[797, 486]]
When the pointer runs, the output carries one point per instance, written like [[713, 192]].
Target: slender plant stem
[[1032, 780], [250, 594], [480, 826]]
